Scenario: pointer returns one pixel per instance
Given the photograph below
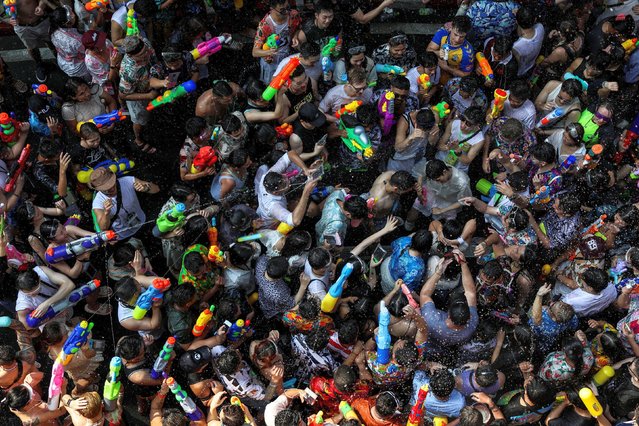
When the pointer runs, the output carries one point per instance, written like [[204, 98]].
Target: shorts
[[34, 36], [138, 112]]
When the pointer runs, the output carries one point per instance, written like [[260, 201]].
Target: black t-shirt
[[309, 137], [621, 396], [319, 36], [87, 157], [569, 417], [298, 100]]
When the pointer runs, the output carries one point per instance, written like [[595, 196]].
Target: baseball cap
[[94, 39], [311, 114], [191, 361], [592, 247], [132, 45], [102, 179]]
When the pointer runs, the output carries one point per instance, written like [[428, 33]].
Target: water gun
[[594, 228], [417, 411], [206, 157], [335, 292], [132, 23], [236, 401], [212, 232], [189, 407], [357, 140], [73, 298], [171, 219], [9, 126], [96, 5], [409, 296], [484, 66], [145, 300], [498, 103], [104, 119], [442, 109], [347, 411], [383, 338], [17, 168], [282, 77], [440, 421], [386, 109], [349, 108], [112, 385], [237, 330], [590, 401], [119, 167], [273, 42], [424, 81], [542, 196], [606, 373], [327, 63], [629, 45], [45, 92], [592, 156], [330, 47], [617, 271], [74, 342], [568, 163], [209, 47], [216, 255], [162, 359], [551, 117], [10, 8], [487, 189], [247, 238], [169, 96], [389, 69], [77, 247], [571, 76], [632, 134], [317, 419], [202, 321], [284, 131]]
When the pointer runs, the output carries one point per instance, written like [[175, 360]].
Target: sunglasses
[[356, 50], [601, 117]]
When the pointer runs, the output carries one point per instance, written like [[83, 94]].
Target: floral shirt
[[266, 27], [631, 320], [298, 324], [98, 68], [134, 76], [547, 331], [555, 368], [493, 18], [561, 231], [392, 373], [405, 266], [519, 147], [70, 51], [550, 178]]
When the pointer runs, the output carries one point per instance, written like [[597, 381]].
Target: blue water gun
[[383, 338]]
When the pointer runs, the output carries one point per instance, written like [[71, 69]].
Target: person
[[274, 294], [462, 93], [416, 132], [341, 212], [309, 58], [427, 63], [443, 399], [356, 89], [445, 185], [568, 142], [216, 102], [323, 27], [406, 262], [232, 177], [462, 140], [455, 52], [83, 102], [396, 52], [499, 53], [531, 36], [355, 58], [573, 361], [378, 410], [593, 295], [548, 322], [101, 59], [68, 43]]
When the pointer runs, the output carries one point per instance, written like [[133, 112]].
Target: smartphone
[[322, 141], [330, 239], [227, 325], [379, 254], [317, 173], [310, 396]]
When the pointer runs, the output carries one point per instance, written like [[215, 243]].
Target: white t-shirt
[[337, 98], [131, 216], [244, 383], [125, 313], [319, 285], [47, 289], [528, 49], [556, 141], [314, 72], [457, 135], [273, 209], [525, 113], [412, 75], [586, 304]]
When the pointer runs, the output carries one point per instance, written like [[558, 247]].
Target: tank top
[[216, 185], [298, 100], [413, 149], [309, 137], [143, 391], [591, 129], [573, 105]]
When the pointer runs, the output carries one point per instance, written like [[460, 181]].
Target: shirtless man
[[386, 191], [214, 104], [13, 371], [32, 27]]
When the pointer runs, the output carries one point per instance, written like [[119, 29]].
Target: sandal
[[145, 147], [104, 309], [104, 291]]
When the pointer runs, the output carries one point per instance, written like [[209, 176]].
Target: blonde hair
[[94, 405]]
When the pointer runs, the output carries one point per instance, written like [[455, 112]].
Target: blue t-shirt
[[405, 266], [548, 330], [459, 57], [433, 406]]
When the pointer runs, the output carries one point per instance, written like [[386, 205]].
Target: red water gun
[[284, 131], [206, 157], [18, 168]]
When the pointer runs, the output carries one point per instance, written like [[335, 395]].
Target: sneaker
[[41, 73], [103, 309]]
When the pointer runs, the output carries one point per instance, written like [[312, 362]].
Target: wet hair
[[435, 169], [296, 242], [27, 281], [345, 377], [633, 257], [129, 347], [563, 312], [402, 180], [596, 279], [319, 257], [310, 308], [237, 158], [233, 415], [221, 88], [544, 152], [182, 294], [475, 115], [273, 181], [442, 383], [526, 17], [309, 49], [53, 333], [277, 267], [231, 123], [193, 261], [317, 339], [191, 26], [386, 404], [127, 288], [569, 204], [356, 75], [503, 45], [49, 228], [227, 310], [323, 6], [463, 24], [298, 72], [265, 134], [600, 61], [572, 87], [348, 332], [422, 241], [88, 130], [486, 331], [265, 349], [574, 351], [287, 417], [195, 229], [94, 405], [468, 84], [228, 362], [366, 114], [486, 375], [569, 31], [512, 129], [49, 149], [174, 417], [425, 118], [539, 392], [459, 312], [427, 59], [240, 253], [71, 88], [18, 397], [519, 88], [407, 355], [517, 220], [356, 206], [493, 269], [254, 88], [470, 416], [518, 180], [195, 126], [611, 345], [572, 394], [7, 354], [400, 82]]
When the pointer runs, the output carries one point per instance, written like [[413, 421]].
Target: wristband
[[461, 241]]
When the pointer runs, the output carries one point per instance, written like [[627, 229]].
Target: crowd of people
[[346, 233]]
